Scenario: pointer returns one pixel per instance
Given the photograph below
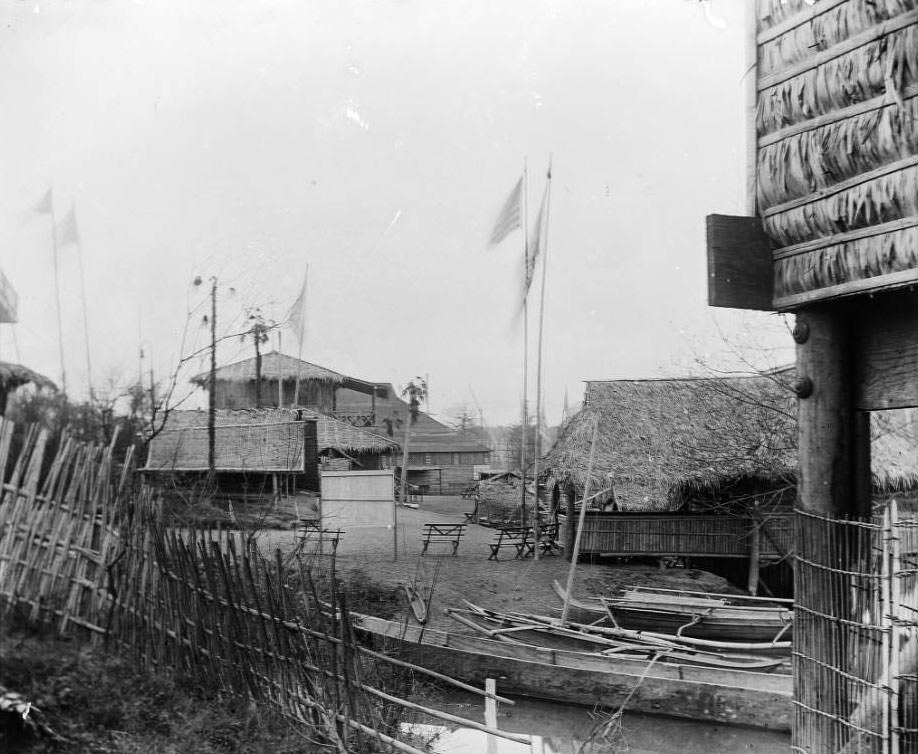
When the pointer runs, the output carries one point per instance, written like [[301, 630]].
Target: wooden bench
[[472, 515], [548, 539], [451, 533], [310, 531], [518, 537]]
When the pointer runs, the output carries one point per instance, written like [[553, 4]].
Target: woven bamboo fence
[[82, 549], [856, 636]]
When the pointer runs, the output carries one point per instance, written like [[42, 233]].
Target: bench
[[472, 515], [518, 537], [548, 539], [451, 533], [310, 531]]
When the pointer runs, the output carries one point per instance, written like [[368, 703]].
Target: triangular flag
[[67, 229], [296, 317], [508, 219], [46, 205]]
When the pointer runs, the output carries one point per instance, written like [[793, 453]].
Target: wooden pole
[[299, 364], [826, 419], [57, 299], [755, 539], [538, 438], [212, 383], [583, 505], [79, 246], [491, 712], [525, 350]]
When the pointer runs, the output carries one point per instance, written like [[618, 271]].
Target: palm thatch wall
[[662, 443], [837, 144], [256, 439]]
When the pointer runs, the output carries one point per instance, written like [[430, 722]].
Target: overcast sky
[[374, 141]]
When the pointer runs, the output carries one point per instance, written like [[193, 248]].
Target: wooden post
[[825, 417], [755, 539], [491, 712]]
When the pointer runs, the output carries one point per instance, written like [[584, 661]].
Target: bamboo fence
[[84, 550], [855, 650]]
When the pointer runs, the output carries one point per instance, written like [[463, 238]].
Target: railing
[[363, 419]]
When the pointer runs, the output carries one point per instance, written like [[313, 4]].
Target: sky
[[374, 141]]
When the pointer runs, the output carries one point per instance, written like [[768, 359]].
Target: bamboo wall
[[696, 535], [836, 168]]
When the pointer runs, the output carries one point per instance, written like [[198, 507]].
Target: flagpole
[[79, 245], [57, 297], [299, 360], [538, 438], [525, 343]]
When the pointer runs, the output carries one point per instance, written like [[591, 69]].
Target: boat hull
[[716, 695]]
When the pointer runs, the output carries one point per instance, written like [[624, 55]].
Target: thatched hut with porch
[[700, 467], [667, 444]]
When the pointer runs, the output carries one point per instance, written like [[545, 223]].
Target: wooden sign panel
[[836, 159]]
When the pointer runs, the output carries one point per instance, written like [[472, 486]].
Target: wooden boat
[[655, 686], [543, 631], [692, 614]]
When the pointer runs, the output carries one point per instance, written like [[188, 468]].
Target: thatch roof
[[334, 434], [256, 440], [657, 435], [16, 375], [274, 366], [837, 154], [659, 440]]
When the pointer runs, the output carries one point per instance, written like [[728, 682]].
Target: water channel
[[564, 729]]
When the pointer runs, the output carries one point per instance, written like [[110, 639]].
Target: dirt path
[[507, 584]]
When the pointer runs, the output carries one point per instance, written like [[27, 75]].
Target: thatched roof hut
[[664, 442]]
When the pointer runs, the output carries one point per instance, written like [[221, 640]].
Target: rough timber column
[[833, 446]]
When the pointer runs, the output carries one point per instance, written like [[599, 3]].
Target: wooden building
[[267, 447], [254, 451], [237, 386], [440, 459]]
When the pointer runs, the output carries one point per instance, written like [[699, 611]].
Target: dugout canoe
[[543, 631], [720, 695], [698, 615]]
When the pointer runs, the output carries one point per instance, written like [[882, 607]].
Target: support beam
[[833, 444]]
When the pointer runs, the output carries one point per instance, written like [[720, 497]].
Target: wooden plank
[[894, 281], [740, 274], [885, 336]]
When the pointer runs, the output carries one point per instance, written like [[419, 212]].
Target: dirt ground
[[507, 584]]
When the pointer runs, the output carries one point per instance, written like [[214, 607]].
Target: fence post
[[491, 712]]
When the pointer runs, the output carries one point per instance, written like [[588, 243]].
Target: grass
[[99, 703]]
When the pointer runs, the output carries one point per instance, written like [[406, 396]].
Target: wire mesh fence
[[856, 635]]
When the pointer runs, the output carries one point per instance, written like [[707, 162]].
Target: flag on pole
[[67, 232], [509, 218], [296, 317], [535, 244], [46, 205]]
